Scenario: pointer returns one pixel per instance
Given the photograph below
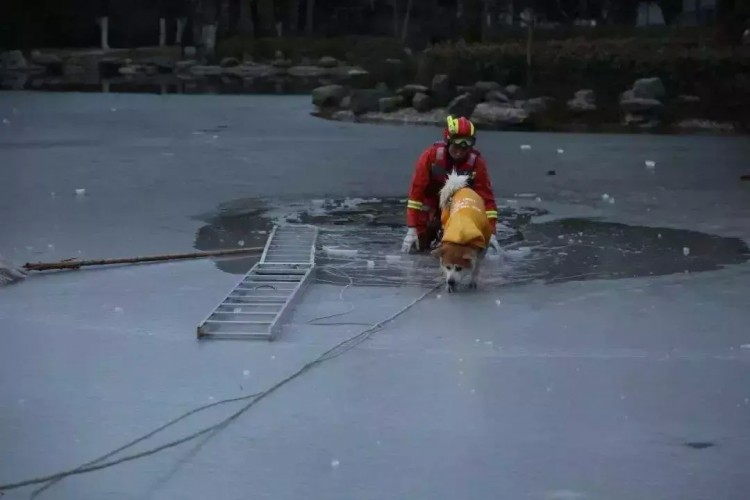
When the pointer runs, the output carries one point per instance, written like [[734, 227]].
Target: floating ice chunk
[[498, 302], [745, 346], [439, 296], [210, 398], [524, 195], [538, 199], [560, 151], [339, 252], [118, 309], [473, 391], [113, 109], [611, 201], [371, 265], [391, 259], [80, 191], [241, 243], [335, 463], [658, 235], [650, 164], [605, 197], [561, 237], [460, 372], [460, 360], [685, 251], [246, 373], [52, 194], [50, 246], [518, 253], [273, 357], [6, 121], [216, 137], [237, 310], [525, 147]]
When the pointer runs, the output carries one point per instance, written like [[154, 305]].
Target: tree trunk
[[104, 31], [266, 18], [395, 17], [309, 28], [293, 17], [405, 28], [246, 26]]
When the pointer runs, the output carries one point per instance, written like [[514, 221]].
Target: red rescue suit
[[430, 173]]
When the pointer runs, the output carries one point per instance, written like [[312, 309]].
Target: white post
[[103, 23], [162, 32], [209, 38]]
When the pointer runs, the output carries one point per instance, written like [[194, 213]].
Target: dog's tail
[[453, 184]]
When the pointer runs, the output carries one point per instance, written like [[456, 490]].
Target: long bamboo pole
[[76, 264]]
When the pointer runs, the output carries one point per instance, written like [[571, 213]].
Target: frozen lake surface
[[605, 356]]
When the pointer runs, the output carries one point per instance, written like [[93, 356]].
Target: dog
[[466, 232]]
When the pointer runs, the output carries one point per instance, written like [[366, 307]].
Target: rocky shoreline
[[154, 65], [346, 92], [644, 107]]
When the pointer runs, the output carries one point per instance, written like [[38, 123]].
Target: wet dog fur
[[457, 262]]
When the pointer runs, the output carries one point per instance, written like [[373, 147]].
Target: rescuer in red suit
[[455, 151]]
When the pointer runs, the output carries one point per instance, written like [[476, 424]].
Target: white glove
[[410, 240], [494, 244]]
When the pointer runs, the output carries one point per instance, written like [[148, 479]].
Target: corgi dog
[[466, 233]]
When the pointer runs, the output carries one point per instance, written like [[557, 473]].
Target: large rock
[[390, 104], [583, 101], [483, 86], [43, 59], [496, 96], [462, 105], [442, 93], [366, 100], [409, 91], [328, 62], [495, 115], [328, 96], [310, 71], [513, 91], [229, 62], [13, 60], [344, 115], [649, 88], [201, 70], [422, 102], [538, 105], [249, 70], [631, 103]]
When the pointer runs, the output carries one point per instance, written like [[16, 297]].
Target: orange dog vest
[[465, 220]]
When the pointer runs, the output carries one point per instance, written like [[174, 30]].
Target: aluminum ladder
[[259, 304]]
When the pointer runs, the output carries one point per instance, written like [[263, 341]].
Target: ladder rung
[[227, 322]]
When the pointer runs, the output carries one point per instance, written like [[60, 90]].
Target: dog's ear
[[468, 255]]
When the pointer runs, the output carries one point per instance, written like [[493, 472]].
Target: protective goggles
[[463, 142]]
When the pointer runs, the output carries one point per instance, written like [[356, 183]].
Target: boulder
[[344, 115], [307, 71], [229, 62], [390, 104], [346, 102], [512, 91], [496, 96], [422, 102], [697, 124], [328, 95], [201, 70], [441, 90], [131, 70], [184, 65], [13, 60], [649, 88], [538, 105], [583, 101], [462, 105], [630, 103], [328, 62], [409, 91], [496, 115], [366, 100], [484, 86], [43, 59]]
